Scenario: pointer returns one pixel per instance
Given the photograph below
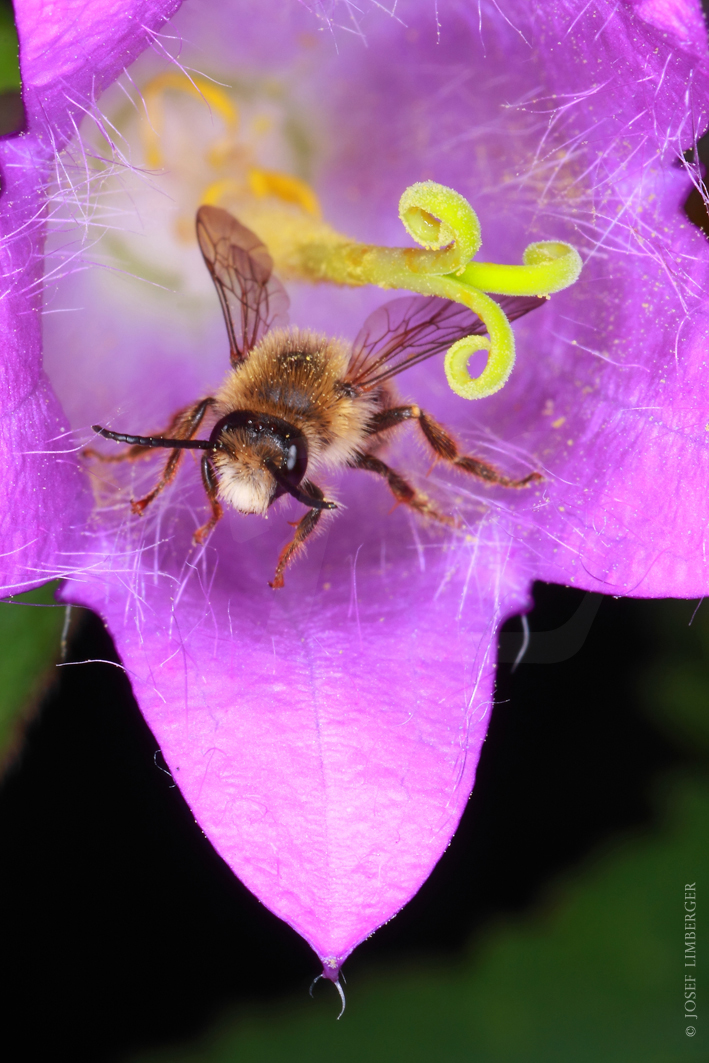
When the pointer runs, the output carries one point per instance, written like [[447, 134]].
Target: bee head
[[259, 458]]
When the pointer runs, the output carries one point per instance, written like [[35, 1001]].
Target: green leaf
[[30, 636], [9, 50]]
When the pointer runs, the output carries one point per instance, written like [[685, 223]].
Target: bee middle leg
[[402, 490], [183, 426], [444, 446], [304, 528]]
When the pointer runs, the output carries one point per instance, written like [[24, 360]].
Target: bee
[[295, 402]]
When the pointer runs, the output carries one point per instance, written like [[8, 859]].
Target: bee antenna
[[155, 441]]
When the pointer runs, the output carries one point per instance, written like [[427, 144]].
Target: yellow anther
[[218, 191], [286, 187], [197, 87]]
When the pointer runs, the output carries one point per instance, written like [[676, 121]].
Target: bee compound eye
[[295, 459]]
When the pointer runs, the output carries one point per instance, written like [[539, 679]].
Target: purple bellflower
[[326, 735]]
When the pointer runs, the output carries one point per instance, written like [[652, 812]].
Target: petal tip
[[331, 968]]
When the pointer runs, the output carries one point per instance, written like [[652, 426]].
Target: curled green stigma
[[447, 229], [448, 218], [434, 215]]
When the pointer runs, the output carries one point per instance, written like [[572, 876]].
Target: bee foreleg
[[133, 453], [445, 447], [211, 486], [402, 491], [137, 451], [304, 528], [183, 426]]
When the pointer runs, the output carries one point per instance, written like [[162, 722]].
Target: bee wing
[[407, 331], [253, 300]]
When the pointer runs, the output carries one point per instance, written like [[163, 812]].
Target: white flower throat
[[191, 141]]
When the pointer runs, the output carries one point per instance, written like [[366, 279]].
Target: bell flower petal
[[326, 736], [69, 53]]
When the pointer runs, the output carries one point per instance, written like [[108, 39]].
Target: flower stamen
[[284, 211], [286, 187], [198, 87]]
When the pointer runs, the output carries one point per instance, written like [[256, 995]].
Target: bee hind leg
[[303, 529], [402, 491], [183, 426], [445, 447]]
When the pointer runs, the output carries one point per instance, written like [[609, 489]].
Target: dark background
[[102, 859]]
